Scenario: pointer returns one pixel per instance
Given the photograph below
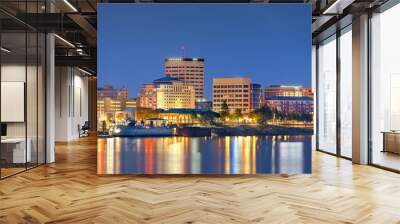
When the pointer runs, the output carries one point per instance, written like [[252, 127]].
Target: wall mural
[[204, 89]]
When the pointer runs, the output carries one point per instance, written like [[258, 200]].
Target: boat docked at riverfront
[[139, 131]]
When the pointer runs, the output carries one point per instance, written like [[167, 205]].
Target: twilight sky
[[270, 43]]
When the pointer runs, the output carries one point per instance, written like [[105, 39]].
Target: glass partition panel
[[346, 92], [14, 154], [31, 98], [41, 98], [327, 95], [22, 88]]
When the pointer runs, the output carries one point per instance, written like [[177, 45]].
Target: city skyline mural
[[204, 89]]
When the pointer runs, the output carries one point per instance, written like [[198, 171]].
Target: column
[[360, 90], [50, 98]]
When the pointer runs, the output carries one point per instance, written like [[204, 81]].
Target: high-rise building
[[256, 93], [106, 110], [131, 104], [167, 93], [108, 105], [236, 92], [189, 70], [291, 104], [148, 96], [110, 92], [282, 90], [289, 99], [111, 111], [174, 93]]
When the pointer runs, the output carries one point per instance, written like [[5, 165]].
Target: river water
[[205, 155]]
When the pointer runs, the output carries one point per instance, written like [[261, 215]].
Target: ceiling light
[[337, 7], [70, 5], [79, 51], [329, 9], [84, 71], [64, 40], [5, 50]]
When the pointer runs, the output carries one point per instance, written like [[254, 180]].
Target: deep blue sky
[[270, 43]]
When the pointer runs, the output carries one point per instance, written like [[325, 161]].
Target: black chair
[[84, 130]]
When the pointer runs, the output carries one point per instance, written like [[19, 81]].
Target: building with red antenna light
[[189, 70]]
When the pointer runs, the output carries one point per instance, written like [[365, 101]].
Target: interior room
[[53, 155], [22, 102]]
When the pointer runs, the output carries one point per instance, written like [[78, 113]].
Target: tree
[[263, 114], [279, 115], [253, 115], [208, 118], [237, 114], [306, 117], [275, 113], [224, 110]]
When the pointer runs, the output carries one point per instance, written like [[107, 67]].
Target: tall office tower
[[281, 90], [110, 92], [148, 96], [189, 70], [108, 105], [106, 109], [174, 93], [236, 92], [256, 93]]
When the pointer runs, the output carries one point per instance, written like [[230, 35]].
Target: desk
[[15, 148], [391, 141]]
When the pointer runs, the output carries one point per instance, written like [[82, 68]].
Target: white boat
[[134, 131]]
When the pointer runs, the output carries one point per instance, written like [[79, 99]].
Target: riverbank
[[243, 130], [266, 131]]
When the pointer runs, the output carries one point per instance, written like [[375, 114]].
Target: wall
[[14, 73], [71, 102], [34, 124]]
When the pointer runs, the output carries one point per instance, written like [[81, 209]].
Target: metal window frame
[[44, 105], [338, 33], [381, 9], [387, 5]]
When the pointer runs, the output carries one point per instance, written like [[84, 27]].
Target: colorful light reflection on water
[[205, 155]]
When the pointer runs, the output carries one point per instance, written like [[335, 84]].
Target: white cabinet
[[19, 155]]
